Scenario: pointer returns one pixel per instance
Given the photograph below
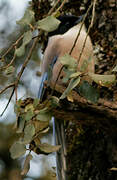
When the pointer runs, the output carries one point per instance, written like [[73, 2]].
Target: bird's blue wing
[[42, 89], [43, 79]]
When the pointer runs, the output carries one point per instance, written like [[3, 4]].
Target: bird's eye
[[61, 77], [63, 29], [67, 23]]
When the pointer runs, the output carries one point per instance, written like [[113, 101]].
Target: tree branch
[[9, 49], [52, 9], [61, 6], [8, 101], [105, 107], [12, 46], [26, 60], [15, 84], [7, 87]]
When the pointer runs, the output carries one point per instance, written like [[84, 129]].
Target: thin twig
[[9, 86], [8, 102], [52, 9], [21, 72], [16, 94], [11, 62], [93, 13], [27, 60], [61, 6], [7, 51], [80, 29], [12, 46], [92, 20]]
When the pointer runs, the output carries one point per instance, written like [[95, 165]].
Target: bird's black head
[[67, 22]]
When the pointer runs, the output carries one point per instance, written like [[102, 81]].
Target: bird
[[59, 43]]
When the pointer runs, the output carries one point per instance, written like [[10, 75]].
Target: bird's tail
[[58, 135]]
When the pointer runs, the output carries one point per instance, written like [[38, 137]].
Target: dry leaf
[[26, 165]]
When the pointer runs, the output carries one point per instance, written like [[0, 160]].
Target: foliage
[[32, 116], [9, 70], [32, 123], [17, 149], [26, 39], [89, 92], [103, 80], [48, 24], [27, 19], [115, 69], [73, 83]]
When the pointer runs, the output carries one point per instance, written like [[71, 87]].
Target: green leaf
[[17, 107], [48, 24], [35, 55], [67, 76], [69, 62], [89, 92], [27, 38], [40, 125], [73, 83], [26, 166], [17, 150], [29, 115], [103, 80], [47, 148], [20, 51], [85, 64], [27, 19], [29, 132], [44, 115], [115, 69], [76, 74], [20, 124], [54, 101], [29, 107], [10, 70], [35, 103]]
